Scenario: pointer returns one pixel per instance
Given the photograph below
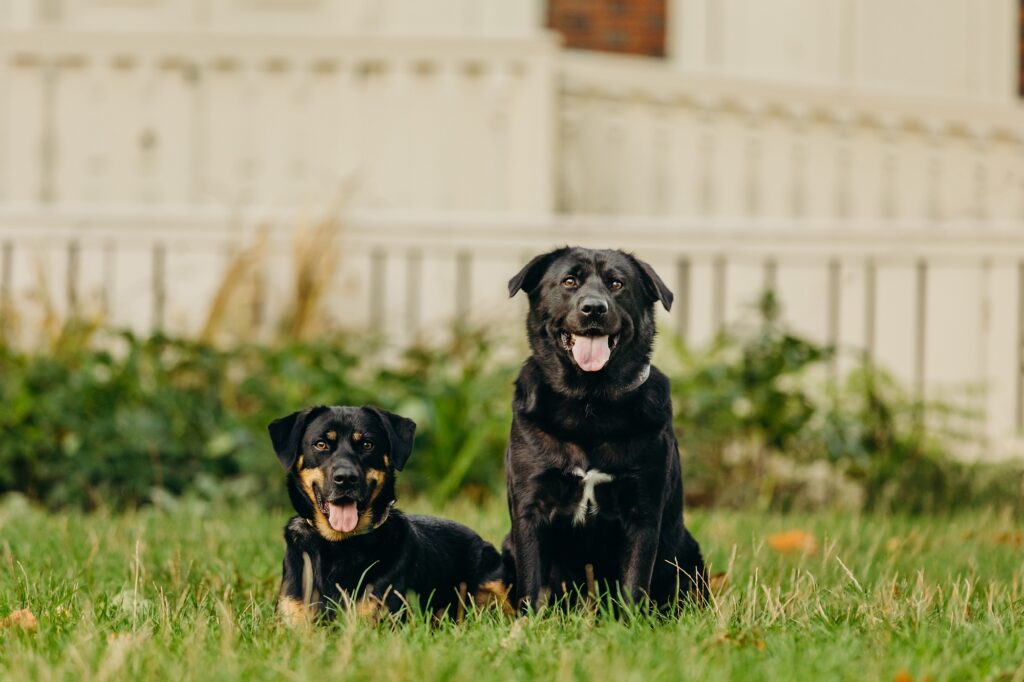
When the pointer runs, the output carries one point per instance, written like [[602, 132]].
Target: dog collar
[[640, 379]]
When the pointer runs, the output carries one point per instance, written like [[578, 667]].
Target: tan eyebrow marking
[[357, 436], [332, 435]]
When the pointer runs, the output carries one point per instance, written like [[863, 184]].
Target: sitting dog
[[348, 543], [592, 465]]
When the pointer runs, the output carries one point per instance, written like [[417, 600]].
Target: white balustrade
[[169, 119], [641, 137]]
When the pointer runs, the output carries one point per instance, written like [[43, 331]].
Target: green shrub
[[760, 425], [101, 418], [84, 426], [111, 418]]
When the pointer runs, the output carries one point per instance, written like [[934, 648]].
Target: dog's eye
[[570, 282], [320, 445], [367, 445], [616, 285]]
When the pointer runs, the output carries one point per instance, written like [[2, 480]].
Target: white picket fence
[[943, 309]]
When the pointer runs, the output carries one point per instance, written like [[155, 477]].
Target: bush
[[105, 418], [114, 419], [759, 425], [83, 426]]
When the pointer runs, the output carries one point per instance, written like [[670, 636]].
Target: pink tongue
[[591, 352], [343, 517]]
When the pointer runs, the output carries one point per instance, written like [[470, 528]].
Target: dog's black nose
[[592, 306], [345, 474]]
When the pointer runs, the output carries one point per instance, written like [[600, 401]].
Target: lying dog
[[348, 542], [592, 464]]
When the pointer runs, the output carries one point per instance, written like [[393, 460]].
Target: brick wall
[[628, 26]]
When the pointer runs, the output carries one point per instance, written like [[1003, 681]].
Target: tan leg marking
[[293, 612], [493, 592], [300, 611], [368, 606]]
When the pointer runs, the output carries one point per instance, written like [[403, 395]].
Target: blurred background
[[214, 213]]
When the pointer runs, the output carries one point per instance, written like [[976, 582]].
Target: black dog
[[348, 543], [592, 463]]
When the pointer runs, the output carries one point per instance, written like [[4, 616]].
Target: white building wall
[[340, 17], [955, 48]]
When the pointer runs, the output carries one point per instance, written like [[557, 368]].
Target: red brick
[[626, 26]]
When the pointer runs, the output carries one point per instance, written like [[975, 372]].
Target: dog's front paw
[[294, 613]]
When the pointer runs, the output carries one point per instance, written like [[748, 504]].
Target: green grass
[[190, 592]]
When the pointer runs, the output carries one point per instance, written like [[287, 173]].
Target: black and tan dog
[[348, 543], [592, 464]]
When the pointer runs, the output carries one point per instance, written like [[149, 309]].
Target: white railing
[[219, 120], [642, 137], [499, 124], [343, 17], [942, 308]]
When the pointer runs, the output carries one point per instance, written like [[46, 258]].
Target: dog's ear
[[286, 432], [653, 284], [529, 277], [401, 432]]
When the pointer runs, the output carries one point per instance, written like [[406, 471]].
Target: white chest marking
[[588, 504]]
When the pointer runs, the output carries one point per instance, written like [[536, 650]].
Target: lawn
[[189, 592]]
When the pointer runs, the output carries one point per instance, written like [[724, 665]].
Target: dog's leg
[[531, 562], [298, 601], [381, 598], [638, 565]]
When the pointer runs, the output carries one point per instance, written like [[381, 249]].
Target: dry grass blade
[[237, 282], [850, 575], [316, 254], [49, 324]]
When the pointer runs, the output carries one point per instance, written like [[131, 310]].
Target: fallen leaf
[[723, 638], [718, 582], [22, 618], [792, 541], [742, 639], [1012, 539]]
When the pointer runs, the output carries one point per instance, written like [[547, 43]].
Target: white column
[[5, 126], [21, 13], [689, 35]]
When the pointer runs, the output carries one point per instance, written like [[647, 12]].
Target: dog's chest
[[345, 567], [580, 494], [587, 505]]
